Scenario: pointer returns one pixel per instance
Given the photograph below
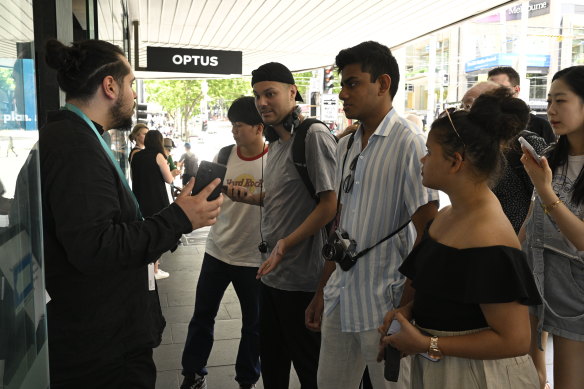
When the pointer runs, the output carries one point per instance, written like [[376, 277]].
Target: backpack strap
[[224, 154], [299, 154]]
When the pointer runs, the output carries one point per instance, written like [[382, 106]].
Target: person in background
[[508, 77], [103, 312], [168, 146], [512, 187], [472, 282], [416, 120], [553, 234], [137, 137], [232, 256], [150, 173], [473, 93], [190, 164]]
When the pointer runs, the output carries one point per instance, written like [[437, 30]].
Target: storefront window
[[23, 335], [537, 38]]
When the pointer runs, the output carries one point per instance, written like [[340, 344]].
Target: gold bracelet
[[548, 208]]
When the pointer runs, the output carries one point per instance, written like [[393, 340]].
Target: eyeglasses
[[350, 179], [447, 112]]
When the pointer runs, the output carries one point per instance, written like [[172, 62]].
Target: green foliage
[[303, 83], [6, 86], [224, 91], [180, 98]]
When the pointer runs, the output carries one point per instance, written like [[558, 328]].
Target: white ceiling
[[302, 34]]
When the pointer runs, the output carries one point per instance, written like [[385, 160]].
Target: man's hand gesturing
[[200, 212]]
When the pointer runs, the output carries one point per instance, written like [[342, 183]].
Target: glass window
[[23, 335]]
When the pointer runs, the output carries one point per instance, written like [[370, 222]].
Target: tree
[[180, 98], [223, 92]]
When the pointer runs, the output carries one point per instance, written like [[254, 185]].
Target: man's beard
[[121, 120]]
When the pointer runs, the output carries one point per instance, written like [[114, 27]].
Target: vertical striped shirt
[[387, 191]]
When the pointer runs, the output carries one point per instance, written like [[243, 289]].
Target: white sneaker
[[161, 274]]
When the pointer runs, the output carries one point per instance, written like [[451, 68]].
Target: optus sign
[[166, 59]]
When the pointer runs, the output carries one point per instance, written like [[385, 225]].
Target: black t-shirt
[[450, 283], [542, 128]]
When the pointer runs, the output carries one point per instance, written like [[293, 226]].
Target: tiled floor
[[177, 297]]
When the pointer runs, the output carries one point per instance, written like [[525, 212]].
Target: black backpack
[[298, 154]]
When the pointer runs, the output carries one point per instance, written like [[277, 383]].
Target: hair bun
[[500, 114], [63, 58]]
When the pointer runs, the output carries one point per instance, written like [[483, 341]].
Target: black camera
[[341, 249]]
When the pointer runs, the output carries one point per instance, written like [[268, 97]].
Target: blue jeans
[[214, 279]]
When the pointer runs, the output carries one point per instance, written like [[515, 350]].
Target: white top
[[234, 238], [387, 191]]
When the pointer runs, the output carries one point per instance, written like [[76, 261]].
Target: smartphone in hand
[[392, 355], [208, 171], [530, 149]]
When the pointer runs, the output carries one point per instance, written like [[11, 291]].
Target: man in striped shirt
[[379, 176]]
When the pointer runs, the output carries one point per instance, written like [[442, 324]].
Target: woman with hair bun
[[554, 234], [137, 136], [471, 280]]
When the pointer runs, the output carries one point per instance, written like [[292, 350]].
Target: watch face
[[435, 353]]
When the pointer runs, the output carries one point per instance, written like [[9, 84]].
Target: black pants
[[135, 370], [214, 279], [285, 340]]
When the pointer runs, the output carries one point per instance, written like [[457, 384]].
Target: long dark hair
[[557, 155], [481, 134], [153, 141]]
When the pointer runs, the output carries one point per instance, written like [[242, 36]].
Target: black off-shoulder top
[[450, 283]]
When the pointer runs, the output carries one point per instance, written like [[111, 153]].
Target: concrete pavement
[[177, 297]]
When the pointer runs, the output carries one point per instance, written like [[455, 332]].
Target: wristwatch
[[434, 351]]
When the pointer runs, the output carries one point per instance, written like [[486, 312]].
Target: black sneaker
[[198, 382]]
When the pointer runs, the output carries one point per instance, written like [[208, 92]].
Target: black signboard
[[167, 59]]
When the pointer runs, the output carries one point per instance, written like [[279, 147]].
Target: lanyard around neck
[[108, 151]]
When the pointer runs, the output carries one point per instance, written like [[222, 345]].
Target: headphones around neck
[[289, 123]]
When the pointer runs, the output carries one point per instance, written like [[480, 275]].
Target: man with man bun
[[103, 312]]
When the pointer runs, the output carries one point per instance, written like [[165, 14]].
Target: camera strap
[[338, 215], [363, 252]]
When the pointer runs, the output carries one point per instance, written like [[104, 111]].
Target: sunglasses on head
[[447, 113]]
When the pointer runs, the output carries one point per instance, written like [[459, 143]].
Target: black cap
[[274, 71]]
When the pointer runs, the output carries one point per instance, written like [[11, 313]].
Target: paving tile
[[181, 298], [167, 335], [179, 332], [168, 356], [223, 353], [168, 379], [234, 310], [163, 299]]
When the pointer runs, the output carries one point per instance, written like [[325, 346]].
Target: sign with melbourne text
[[168, 59]]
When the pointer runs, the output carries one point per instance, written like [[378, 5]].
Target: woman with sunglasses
[[471, 280], [554, 233]]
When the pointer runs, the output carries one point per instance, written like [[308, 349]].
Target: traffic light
[[327, 86], [142, 113]]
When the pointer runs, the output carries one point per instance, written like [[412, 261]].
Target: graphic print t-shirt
[[235, 237]]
